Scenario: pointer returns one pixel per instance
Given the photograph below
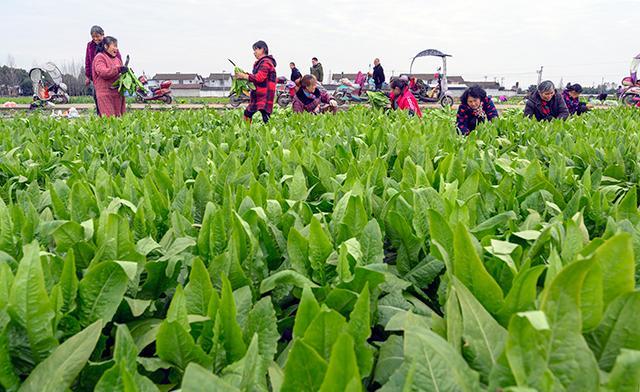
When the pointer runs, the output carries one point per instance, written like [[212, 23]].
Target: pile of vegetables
[[128, 83], [378, 99], [362, 251], [240, 86]]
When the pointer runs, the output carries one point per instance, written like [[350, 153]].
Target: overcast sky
[[577, 40]]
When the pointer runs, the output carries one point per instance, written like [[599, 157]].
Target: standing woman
[[475, 107], [107, 67], [571, 96], [264, 79], [546, 104], [97, 34]]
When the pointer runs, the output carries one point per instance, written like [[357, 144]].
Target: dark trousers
[[265, 115], [95, 98]]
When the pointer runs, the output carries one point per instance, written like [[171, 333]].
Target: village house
[[184, 84]]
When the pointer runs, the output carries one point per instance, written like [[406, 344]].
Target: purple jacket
[[302, 103], [92, 50], [574, 105]]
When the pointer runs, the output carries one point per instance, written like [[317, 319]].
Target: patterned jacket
[[573, 104], [468, 119], [303, 103], [264, 78]]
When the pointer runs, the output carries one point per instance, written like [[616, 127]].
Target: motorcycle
[[439, 91], [349, 91], [630, 94], [48, 87], [285, 91], [160, 93]]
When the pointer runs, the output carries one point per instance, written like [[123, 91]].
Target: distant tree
[[26, 87], [12, 78], [75, 84]]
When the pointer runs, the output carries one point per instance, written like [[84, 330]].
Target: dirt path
[[194, 106]]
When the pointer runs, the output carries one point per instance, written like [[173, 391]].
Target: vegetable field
[[362, 251]]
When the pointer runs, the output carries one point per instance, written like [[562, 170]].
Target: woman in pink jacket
[[97, 35], [107, 67]]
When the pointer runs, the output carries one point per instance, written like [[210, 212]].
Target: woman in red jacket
[[401, 98], [106, 68], [264, 79]]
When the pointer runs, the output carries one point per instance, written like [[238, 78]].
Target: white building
[[217, 85], [219, 80], [184, 85]]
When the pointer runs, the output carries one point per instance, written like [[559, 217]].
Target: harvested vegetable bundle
[[240, 86], [378, 99], [128, 83]]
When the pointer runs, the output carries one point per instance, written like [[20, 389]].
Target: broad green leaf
[[231, 332], [625, 375], [349, 217], [60, 369], [304, 370], [67, 235], [196, 377], [298, 185], [614, 333], [616, 257], [202, 194], [69, 283], [100, 292], [262, 322], [114, 236], [298, 251], [441, 232], [174, 344], [427, 358], [178, 309], [390, 358], [569, 357], [527, 350], [198, 290], [308, 309], [285, 277], [483, 336], [324, 330], [29, 304], [522, 295], [453, 319], [144, 332], [342, 372], [371, 243], [320, 246], [124, 371], [359, 326], [591, 298], [249, 373], [9, 380], [472, 273]]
